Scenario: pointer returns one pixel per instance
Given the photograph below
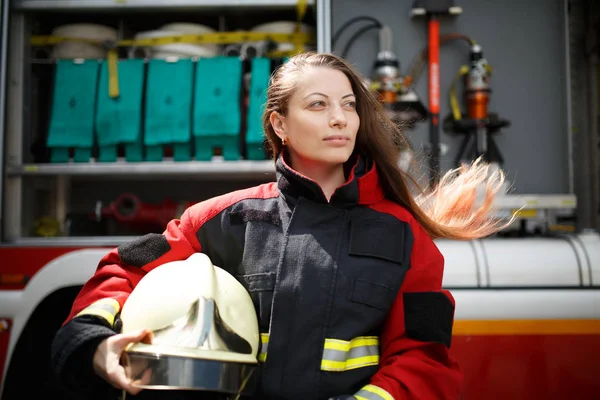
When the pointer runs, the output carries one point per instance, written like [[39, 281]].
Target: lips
[[336, 138]]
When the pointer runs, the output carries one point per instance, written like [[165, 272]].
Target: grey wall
[[524, 43]]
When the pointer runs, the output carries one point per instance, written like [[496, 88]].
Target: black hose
[[356, 36], [347, 24]]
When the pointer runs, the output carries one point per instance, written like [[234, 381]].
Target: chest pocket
[[260, 286], [381, 251]]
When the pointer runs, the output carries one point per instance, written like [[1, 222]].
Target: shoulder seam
[[231, 201], [407, 218]]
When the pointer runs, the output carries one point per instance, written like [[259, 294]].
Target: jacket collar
[[361, 186]]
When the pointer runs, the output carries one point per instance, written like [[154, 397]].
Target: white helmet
[[204, 325]]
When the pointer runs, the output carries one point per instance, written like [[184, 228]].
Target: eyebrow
[[324, 95]]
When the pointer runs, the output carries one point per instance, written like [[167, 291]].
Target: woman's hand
[[108, 355]]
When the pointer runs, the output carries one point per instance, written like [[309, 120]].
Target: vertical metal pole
[[323, 26], [568, 95], [4, 13], [15, 117]]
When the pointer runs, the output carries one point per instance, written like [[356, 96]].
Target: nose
[[337, 118]]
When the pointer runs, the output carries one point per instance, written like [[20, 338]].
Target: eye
[[351, 104], [318, 103]]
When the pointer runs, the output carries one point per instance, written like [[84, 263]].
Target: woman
[[342, 250]]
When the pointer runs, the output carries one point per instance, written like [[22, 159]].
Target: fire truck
[[527, 323]]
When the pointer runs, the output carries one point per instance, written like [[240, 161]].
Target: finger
[[148, 338], [135, 386], [119, 379], [144, 380], [123, 339], [133, 390], [146, 377]]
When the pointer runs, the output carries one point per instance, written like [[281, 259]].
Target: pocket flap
[[258, 282], [372, 294], [381, 239]]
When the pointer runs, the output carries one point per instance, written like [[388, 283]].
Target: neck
[[328, 177]]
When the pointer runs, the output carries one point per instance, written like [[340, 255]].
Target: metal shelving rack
[[16, 171], [95, 5], [207, 169]]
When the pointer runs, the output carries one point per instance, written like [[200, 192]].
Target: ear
[[278, 123]]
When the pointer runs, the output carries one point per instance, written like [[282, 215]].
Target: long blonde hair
[[450, 210]]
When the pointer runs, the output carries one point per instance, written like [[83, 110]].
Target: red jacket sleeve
[[94, 313], [122, 268], [414, 363]]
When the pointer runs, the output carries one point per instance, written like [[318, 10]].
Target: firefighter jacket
[[348, 291]]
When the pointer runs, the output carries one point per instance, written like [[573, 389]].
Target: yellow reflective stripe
[[264, 347], [99, 313], [264, 338], [372, 392], [327, 365], [342, 355], [344, 345], [104, 308]]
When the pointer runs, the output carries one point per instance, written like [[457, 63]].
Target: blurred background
[[115, 115]]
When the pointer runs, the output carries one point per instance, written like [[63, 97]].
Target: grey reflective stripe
[[372, 392], [341, 355], [106, 307], [357, 352], [264, 347]]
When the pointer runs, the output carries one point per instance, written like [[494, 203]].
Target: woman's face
[[321, 124]]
